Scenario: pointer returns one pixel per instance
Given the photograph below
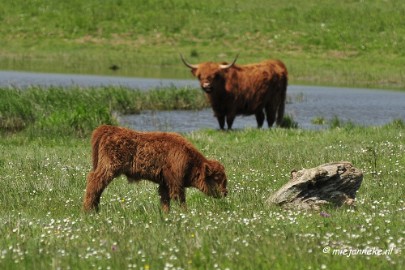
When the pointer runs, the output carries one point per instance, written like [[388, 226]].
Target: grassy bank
[[347, 43], [43, 182], [60, 112]]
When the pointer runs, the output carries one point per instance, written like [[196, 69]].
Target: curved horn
[[229, 65], [188, 64]]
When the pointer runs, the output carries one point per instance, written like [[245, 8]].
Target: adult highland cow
[[164, 158], [244, 89]]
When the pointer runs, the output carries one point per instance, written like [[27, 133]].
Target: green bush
[[289, 122]]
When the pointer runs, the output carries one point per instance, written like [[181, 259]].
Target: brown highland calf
[[164, 158], [244, 89]]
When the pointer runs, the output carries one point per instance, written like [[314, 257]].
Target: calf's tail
[[95, 144]]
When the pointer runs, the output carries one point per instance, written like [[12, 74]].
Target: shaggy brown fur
[[244, 90], [164, 158]]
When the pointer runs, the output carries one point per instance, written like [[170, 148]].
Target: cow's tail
[[283, 97]]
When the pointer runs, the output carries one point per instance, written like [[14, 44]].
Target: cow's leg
[[97, 181], [259, 118], [221, 121], [164, 197], [281, 106], [271, 114], [229, 120]]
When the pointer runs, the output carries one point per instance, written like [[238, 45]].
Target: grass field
[[46, 156], [42, 225], [346, 43]]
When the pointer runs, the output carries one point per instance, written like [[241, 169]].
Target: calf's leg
[[164, 197], [97, 181], [172, 189], [179, 195]]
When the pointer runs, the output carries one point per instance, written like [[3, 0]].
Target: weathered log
[[332, 183]]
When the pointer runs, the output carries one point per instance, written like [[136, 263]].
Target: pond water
[[306, 103], [27, 79], [360, 106]]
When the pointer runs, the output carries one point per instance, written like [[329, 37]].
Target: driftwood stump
[[331, 183]]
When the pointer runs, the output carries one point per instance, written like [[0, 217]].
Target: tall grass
[[76, 111]]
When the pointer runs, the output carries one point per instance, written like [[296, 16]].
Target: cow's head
[[209, 74], [215, 179]]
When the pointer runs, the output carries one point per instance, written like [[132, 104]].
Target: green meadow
[[45, 151], [345, 43]]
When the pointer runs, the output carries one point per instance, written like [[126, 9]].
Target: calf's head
[[210, 75], [215, 179]]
